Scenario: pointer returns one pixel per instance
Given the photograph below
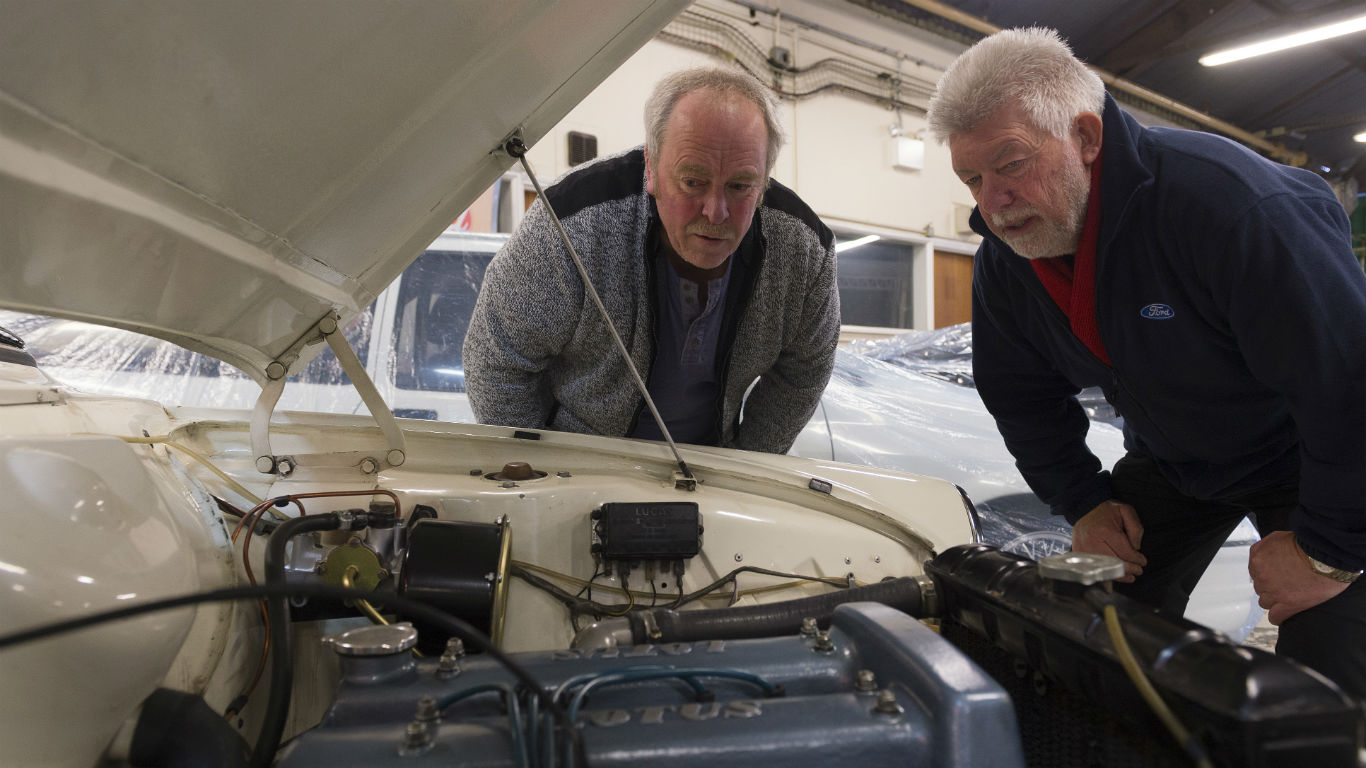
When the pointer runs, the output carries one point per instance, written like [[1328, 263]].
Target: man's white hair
[[1032, 67], [659, 107]]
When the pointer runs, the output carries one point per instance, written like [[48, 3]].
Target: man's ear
[[649, 175], [1087, 129]]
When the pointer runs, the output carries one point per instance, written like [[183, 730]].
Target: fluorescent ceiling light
[[1302, 37], [1361, 137], [846, 245]]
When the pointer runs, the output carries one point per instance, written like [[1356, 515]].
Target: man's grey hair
[[1033, 67], [660, 106]]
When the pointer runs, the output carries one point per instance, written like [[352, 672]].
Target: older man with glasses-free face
[[1213, 295], [716, 277]]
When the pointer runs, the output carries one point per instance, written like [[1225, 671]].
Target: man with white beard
[[1213, 295]]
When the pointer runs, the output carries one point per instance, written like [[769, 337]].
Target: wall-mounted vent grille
[[582, 147]]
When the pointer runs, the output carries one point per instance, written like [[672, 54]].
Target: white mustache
[[1011, 218]]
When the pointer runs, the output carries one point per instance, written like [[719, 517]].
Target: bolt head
[[416, 734], [865, 681], [1040, 684], [886, 703], [447, 667]]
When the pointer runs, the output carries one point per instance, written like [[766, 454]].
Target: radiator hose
[[662, 625]]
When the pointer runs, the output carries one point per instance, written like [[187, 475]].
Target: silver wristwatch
[[1337, 574]]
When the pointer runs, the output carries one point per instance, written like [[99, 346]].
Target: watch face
[[1321, 567]]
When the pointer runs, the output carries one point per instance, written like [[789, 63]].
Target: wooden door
[[952, 288]]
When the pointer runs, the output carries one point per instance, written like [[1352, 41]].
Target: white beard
[[1050, 238]]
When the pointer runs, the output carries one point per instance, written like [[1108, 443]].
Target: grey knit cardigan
[[537, 353]]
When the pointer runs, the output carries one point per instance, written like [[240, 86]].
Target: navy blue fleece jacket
[[1234, 315]]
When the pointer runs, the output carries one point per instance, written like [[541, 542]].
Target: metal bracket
[[325, 329], [684, 482], [260, 424]]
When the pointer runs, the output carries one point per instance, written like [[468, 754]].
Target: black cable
[[281, 662], [597, 566], [442, 620], [678, 581], [721, 582], [570, 601]]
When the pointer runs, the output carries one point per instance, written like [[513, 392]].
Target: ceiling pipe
[[1290, 157]]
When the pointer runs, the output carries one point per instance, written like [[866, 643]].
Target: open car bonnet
[[225, 175]]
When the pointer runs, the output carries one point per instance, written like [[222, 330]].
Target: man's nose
[[714, 207], [995, 195]]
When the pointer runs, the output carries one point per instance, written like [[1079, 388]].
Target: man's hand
[[1112, 529], [1284, 582]]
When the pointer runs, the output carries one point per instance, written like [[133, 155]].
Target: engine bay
[[557, 601]]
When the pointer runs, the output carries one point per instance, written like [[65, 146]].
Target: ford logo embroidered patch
[[1157, 312]]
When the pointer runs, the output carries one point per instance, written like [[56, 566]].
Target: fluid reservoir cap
[[1081, 567], [376, 640], [517, 470]]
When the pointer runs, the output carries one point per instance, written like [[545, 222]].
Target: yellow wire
[[631, 603], [1141, 682]]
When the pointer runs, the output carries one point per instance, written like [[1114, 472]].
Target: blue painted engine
[[1026, 670], [879, 688]]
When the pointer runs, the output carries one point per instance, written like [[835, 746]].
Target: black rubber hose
[[767, 620], [281, 665], [179, 730]]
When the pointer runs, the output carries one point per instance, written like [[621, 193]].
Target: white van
[[409, 338]]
